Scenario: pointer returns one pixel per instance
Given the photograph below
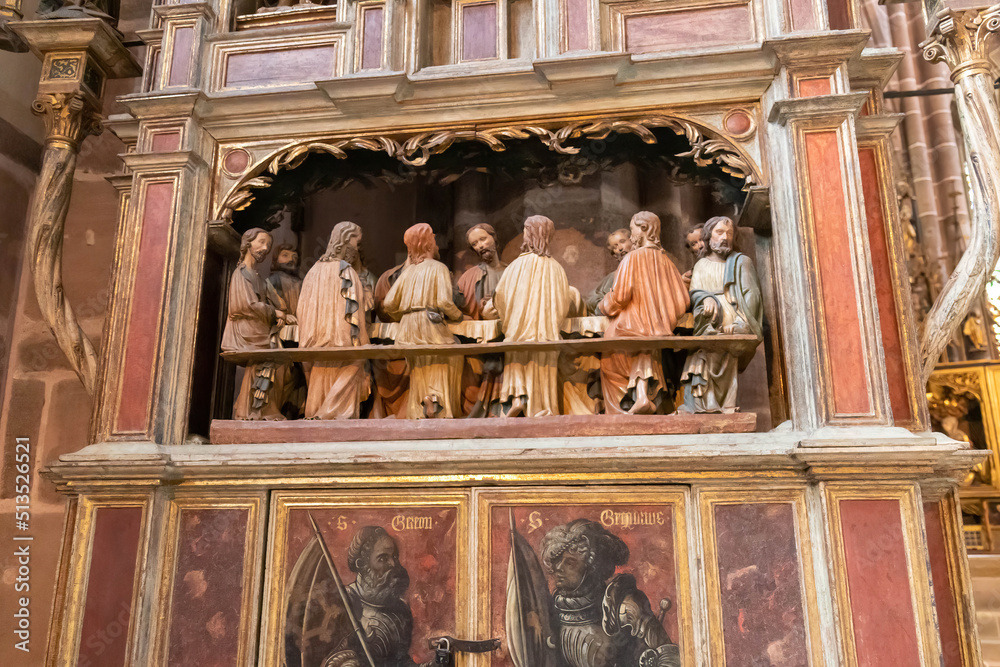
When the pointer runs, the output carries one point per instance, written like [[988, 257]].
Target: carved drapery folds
[[959, 40], [69, 118], [415, 151]]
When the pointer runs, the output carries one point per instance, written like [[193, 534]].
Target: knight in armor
[[601, 619], [376, 598]]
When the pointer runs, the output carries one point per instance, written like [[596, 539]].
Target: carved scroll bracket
[[959, 40]]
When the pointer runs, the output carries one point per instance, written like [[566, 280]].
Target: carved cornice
[[960, 40], [416, 150], [69, 117]]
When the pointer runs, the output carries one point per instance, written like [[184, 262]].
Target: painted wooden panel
[[180, 61], [371, 50], [577, 24], [479, 31], [295, 65], [835, 258], [944, 594], [108, 605], [645, 33], [147, 299], [814, 86], [164, 142], [763, 619], [206, 603], [878, 581], [803, 15], [885, 292]]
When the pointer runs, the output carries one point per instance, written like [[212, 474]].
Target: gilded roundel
[[235, 162], [739, 123]]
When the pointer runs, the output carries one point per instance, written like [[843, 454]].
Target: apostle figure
[[726, 299], [286, 283], [647, 299], [332, 310], [619, 245], [694, 244], [391, 381], [421, 299], [253, 319], [532, 299]]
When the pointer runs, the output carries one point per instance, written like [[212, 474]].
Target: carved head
[[285, 258], [538, 231], [420, 243], [579, 549], [645, 227], [693, 241], [619, 243], [256, 242], [374, 556], [345, 239], [483, 239], [719, 236]]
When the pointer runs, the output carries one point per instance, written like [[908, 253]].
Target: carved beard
[[291, 268], [488, 255], [350, 255], [384, 589], [721, 247], [259, 255]]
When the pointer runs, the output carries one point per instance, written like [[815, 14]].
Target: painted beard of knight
[[383, 579], [602, 619]]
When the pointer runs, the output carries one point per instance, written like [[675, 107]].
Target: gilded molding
[[960, 41]]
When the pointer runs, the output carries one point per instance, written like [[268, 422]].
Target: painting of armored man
[[366, 587], [584, 586]]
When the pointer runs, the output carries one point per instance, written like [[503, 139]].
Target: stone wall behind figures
[[41, 397]]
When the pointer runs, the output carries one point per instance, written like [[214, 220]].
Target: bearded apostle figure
[[421, 299], [532, 299], [253, 320], [647, 299], [332, 309], [726, 299]]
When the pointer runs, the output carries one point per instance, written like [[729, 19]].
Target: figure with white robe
[[332, 308], [421, 299], [532, 300]]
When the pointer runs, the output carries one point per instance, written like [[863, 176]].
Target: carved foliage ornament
[[68, 117], [960, 40], [418, 149]]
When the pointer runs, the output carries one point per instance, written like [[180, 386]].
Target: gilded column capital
[[959, 39], [69, 118]]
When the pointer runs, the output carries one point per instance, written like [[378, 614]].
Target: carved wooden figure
[[287, 284], [619, 245], [252, 321], [647, 299], [332, 310], [726, 299], [422, 299], [392, 383], [481, 376], [532, 300]]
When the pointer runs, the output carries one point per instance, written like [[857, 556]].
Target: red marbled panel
[[294, 65], [762, 613], [429, 555], [836, 272], [144, 318], [479, 31], [814, 86], [944, 594], [803, 15], [651, 555], [885, 627], [885, 292], [371, 45], [577, 24], [840, 14], [646, 33], [206, 605], [108, 606], [180, 61], [165, 142]]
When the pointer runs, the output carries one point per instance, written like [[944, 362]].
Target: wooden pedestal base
[[231, 432]]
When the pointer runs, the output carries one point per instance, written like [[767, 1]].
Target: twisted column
[[68, 120], [959, 40]]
